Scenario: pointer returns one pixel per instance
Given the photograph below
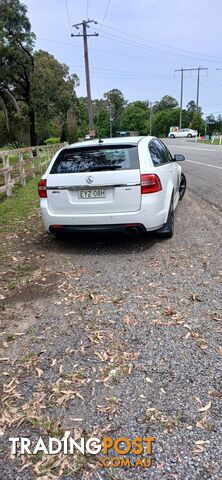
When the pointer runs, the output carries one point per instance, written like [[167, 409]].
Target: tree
[[71, 126], [192, 108], [54, 97], [219, 123], [164, 120], [197, 123], [6, 100], [101, 117], [116, 100], [82, 116], [16, 55], [136, 117], [166, 103]]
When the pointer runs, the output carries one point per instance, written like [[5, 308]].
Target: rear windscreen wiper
[[105, 167]]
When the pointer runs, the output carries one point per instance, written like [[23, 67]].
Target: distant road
[[203, 168]]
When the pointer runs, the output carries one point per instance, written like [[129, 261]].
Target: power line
[[111, 70], [119, 53], [140, 45], [161, 44], [212, 79], [126, 41], [104, 16], [68, 15], [119, 77], [107, 51]]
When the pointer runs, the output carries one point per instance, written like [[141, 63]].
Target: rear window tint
[[78, 160]]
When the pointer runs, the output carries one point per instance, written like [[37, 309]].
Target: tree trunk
[[33, 139]]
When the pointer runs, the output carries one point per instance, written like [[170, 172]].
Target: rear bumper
[[125, 228], [151, 216]]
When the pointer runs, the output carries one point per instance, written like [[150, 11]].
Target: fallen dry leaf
[[80, 396], [148, 380], [196, 298], [204, 409], [127, 320], [76, 419], [39, 372], [215, 394], [201, 442], [220, 350]]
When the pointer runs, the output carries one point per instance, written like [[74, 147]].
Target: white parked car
[[112, 184], [184, 132]]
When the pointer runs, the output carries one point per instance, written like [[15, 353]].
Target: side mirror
[[178, 157]]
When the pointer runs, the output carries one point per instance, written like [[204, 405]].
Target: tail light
[[150, 183], [42, 188]]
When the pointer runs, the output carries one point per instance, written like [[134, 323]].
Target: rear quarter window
[[88, 159]]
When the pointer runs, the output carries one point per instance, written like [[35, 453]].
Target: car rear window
[[88, 159]]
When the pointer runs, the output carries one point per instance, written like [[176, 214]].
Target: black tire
[[189, 135], [168, 229], [183, 186], [172, 136]]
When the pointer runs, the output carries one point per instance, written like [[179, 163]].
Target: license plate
[[90, 194]]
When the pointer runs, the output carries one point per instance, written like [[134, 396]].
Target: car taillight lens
[[42, 191], [150, 183]]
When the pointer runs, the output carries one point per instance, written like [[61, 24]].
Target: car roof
[[109, 141]]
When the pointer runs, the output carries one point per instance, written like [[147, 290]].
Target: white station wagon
[[114, 184]]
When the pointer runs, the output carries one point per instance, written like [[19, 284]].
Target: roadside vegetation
[[15, 210]]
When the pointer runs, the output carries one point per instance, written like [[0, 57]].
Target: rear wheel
[[167, 230], [172, 136], [189, 135], [183, 186]]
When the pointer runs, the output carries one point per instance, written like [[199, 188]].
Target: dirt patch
[[32, 291]]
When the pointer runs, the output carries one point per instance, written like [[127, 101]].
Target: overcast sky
[[140, 44]]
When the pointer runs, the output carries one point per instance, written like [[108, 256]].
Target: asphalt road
[[203, 168]]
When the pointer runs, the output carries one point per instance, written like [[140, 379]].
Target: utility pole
[[151, 114], [181, 94], [182, 70], [85, 24], [181, 97], [198, 84]]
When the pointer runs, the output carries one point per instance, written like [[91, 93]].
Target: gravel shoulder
[[115, 337]]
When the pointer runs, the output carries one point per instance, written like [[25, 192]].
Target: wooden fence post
[[7, 175], [22, 169], [32, 164], [38, 156], [48, 155]]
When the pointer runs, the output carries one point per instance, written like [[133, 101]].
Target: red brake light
[[150, 183], [42, 191]]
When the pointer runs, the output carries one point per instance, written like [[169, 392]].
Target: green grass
[[20, 204], [216, 142]]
